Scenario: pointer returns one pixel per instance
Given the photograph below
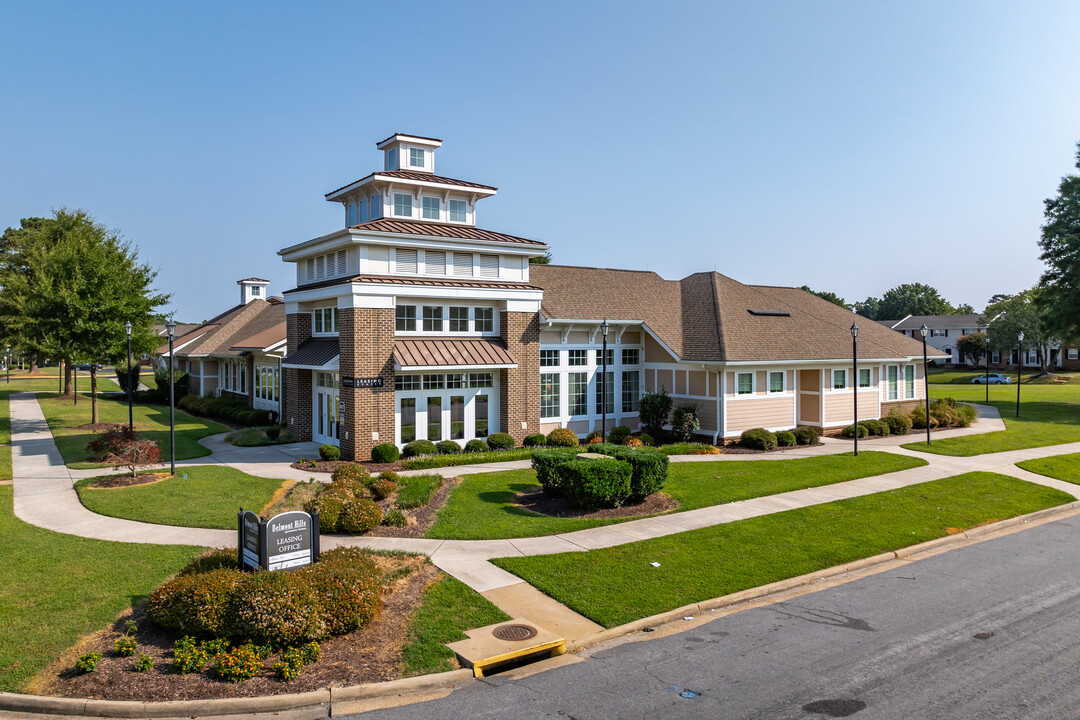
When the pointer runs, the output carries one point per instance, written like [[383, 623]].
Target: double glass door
[[325, 409], [459, 415]]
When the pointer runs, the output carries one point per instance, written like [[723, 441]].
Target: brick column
[[366, 342], [519, 388], [297, 383]]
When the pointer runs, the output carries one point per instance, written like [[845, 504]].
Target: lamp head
[[171, 327], [923, 330], [854, 331], [1020, 336], [127, 328], [604, 328]]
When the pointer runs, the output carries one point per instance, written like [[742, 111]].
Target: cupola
[[252, 289], [409, 152]]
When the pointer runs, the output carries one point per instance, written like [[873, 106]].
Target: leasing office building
[[414, 323]]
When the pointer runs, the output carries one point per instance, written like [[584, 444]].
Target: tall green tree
[[1020, 313], [972, 345], [912, 299], [826, 295], [1059, 295], [74, 285]]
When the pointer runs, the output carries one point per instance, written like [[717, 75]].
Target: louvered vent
[[406, 261], [489, 266]]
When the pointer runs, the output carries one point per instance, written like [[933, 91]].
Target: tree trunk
[[93, 393], [67, 379]]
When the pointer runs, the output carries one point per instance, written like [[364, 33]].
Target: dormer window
[[430, 207], [402, 205], [256, 290], [459, 211], [416, 157]]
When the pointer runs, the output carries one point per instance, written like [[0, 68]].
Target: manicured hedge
[[806, 435], [535, 440], [477, 446], [419, 447], [227, 408], [758, 438], [785, 438], [447, 447], [899, 424], [385, 453], [650, 467], [500, 441], [546, 464], [595, 483]]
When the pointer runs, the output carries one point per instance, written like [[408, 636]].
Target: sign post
[[285, 541], [249, 543]]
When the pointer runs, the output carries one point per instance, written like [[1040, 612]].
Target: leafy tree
[[68, 286], [871, 308], [1021, 312], [544, 259], [826, 295], [1059, 295], [654, 409], [912, 299], [972, 345], [964, 309]]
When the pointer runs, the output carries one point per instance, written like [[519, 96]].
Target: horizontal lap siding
[[838, 407], [764, 412]]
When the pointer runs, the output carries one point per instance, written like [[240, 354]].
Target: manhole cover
[[983, 635], [514, 632]]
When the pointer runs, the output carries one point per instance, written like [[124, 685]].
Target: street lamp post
[[855, 384], [987, 383], [603, 381], [1019, 368], [7, 363], [171, 327], [926, 381], [130, 391]]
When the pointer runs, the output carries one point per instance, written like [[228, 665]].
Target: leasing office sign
[[288, 540]]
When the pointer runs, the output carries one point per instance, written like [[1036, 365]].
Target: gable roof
[[219, 335], [709, 317]]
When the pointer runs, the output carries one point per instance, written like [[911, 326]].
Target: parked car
[[87, 366], [992, 378]]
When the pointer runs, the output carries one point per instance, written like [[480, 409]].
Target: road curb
[[930, 547]]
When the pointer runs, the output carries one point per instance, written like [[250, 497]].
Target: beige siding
[[655, 352], [761, 382], [650, 384], [548, 427], [838, 407], [632, 421], [581, 427], [707, 415], [631, 338], [809, 379], [697, 382], [550, 337], [809, 407], [680, 383], [577, 337], [764, 412], [665, 379]]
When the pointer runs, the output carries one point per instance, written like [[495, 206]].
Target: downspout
[[719, 411]]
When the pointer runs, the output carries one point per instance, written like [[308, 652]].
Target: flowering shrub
[[562, 437], [109, 442], [350, 472], [188, 656], [287, 669], [632, 441], [359, 516], [381, 489], [125, 646], [87, 663], [195, 603], [274, 607], [329, 509], [135, 454], [236, 665]]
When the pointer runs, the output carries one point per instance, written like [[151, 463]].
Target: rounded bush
[[273, 432], [899, 424], [806, 435], [220, 558], [535, 440], [546, 464], [649, 468], [785, 438], [348, 585], [501, 441], [329, 453], [385, 453], [419, 447], [395, 518], [474, 446], [758, 438], [381, 489], [597, 483], [195, 603], [329, 508], [277, 608], [447, 447], [562, 437], [849, 431], [350, 472], [594, 437], [646, 439], [879, 428], [359, 516]]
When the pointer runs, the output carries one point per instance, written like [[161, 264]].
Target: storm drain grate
[[514, 632], [835, 708]]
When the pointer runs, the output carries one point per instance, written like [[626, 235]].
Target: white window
[[605, 392], [402, 205], [459, 319], [416, 157], [405, 261], [433, 318], [995, 357], [405, 318], [430, 206], [776, 381], [324, 321], [549, 395], [489, 266], [909, 382], [610, 357], [938, 333], [549, 358], [435, 262], [631, 391], [577, 357], [631, 356], [893, 375], [744, 383], [256, 291], [484, 319], [406, 382], [463, 264], [459, 211], [1074, 353], [839, 379], [864, 377], [577, 385], [391, 159]]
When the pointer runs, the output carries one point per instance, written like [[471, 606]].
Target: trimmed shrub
[[181, 383], [594, 437], [501, 441], [277, 608], [785, 438], [329, 508], [419, 447], [597, 483], [381, 489], [213, 560], [476, 446], [546, 464], [880, 428], [385, 453], [758, 438], [447, 447], [653, 409], [562, 437], [649, 468], [806, 435], [354, 472], [330, 453], [273, 432], [395, 518], [618, 435], [359, 516], [348, 585], [849, 431], [195, 603], [898, 423], [535, 440]]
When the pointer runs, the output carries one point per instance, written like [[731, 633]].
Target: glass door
[[326, 406]]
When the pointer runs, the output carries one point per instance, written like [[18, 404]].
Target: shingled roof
[[219, 335], [709, 317]]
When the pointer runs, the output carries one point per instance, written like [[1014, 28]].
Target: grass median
[[484, 506], [1048, 416], [1060, 467], [208, 497], [617, 585]]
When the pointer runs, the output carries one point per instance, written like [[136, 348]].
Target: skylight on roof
[[770, 313]]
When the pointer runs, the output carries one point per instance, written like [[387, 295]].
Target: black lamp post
[[603, 381], [171, 327], [7, 363], [987, 383], [855, 384], [926, 381], [1019, 368], [130, 390]]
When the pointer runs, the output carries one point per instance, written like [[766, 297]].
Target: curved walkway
[[45, 496]]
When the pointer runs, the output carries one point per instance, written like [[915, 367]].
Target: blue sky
[[850, 146]]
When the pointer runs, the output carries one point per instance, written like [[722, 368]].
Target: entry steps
[[515, 640]]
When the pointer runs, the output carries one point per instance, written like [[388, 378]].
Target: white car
[[992, 379]]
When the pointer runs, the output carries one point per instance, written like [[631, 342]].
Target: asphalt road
[[988, 631]]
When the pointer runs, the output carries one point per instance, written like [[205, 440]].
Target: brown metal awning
[[314, 354], [447, 353]]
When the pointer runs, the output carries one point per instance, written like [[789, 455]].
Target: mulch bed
[[370, 654], [422, 518], [126, 480], [98, 427], [329, 466], [538, 502]]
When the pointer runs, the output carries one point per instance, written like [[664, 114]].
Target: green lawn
[[447, 608], [482, 506], [1049, 415], [617, 585], [208, 498], [963, 376], [57, 588], [1061, 467], [151, 422], [5, 436]]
